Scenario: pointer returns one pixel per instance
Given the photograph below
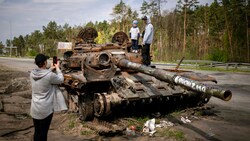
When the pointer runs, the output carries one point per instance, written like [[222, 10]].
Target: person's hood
[[37, 74], [148, 20]]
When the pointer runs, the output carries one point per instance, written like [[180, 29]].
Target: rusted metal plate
[[120, 38], [88, 34], [134, 57]]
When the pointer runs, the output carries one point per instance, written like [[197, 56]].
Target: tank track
[[105, 128]]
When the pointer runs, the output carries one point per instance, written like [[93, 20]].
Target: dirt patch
[[13, 81], [14, 103]]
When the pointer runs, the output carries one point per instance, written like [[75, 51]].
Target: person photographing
[[46, 96]]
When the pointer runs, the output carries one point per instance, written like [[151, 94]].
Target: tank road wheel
[[86, 110]]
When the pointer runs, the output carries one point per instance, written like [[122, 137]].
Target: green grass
[[172, 133], [176, 113], [140, 122], [213, 69], [72, 116], [223, 69], [71, 124], [142, 119], [86, 133]]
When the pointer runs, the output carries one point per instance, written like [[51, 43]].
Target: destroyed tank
[[101, 79]]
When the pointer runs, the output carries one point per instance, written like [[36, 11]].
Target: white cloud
[[29, 19], [29, 15]]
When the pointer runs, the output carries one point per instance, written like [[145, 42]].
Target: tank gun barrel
[[175, 79]]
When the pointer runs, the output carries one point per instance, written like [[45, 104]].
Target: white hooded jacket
[[149, 32], [46, 96]]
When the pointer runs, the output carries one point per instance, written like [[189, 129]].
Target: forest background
[[218, 32]]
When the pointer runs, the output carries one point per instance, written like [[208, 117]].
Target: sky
[[22, 17]]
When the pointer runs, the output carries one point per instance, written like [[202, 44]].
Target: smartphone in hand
[[55, 60]]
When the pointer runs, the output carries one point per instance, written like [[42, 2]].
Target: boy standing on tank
[[134, 35]]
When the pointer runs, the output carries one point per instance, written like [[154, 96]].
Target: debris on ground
[[164, 124], [150, 126], [130, 132], [185, 119]]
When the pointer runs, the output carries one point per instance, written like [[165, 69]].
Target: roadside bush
[[217, 54], [32, 53]]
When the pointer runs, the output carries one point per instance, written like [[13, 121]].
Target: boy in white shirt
[[134, 35]]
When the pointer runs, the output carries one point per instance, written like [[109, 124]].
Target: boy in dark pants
[[134, 35]]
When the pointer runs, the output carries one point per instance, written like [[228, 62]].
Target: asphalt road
[[20, 64], [235, 114]]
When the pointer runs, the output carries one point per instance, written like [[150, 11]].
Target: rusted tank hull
[[130, 90], [104, 78]]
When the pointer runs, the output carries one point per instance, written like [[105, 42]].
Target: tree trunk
[[248, 47], [229, 33], [184, 30], [205, 34]]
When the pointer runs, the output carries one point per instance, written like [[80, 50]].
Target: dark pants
[[42, 128], [146, 55], [134, 44]]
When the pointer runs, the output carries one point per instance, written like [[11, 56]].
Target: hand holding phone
[[55, 60]]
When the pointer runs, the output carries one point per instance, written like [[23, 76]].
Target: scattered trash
[[130, 132], [149, 126], [164, 123], [185, 119], [132, 127], [194, 117], [210, 134]]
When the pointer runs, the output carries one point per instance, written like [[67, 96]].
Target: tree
[[185, 5], [8, 42], [20, 44], [135, 15], [52, 33], [90, 24], [144, 8], [68, 32], [159, 3], [33, 41], [247, 14], [1, 48], [217, 32], [150, 8], [119, 12]]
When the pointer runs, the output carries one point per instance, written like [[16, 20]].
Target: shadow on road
[[193, 128]]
